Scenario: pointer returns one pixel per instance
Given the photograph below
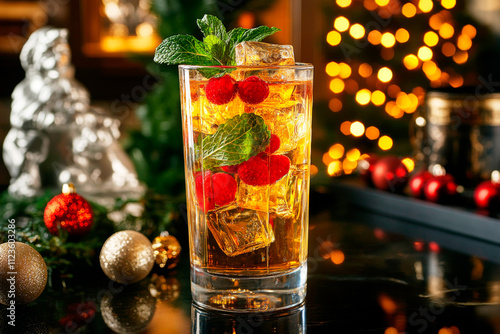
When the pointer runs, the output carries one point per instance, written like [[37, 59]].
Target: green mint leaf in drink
[[216, 49], [183, 49], [235, 141]]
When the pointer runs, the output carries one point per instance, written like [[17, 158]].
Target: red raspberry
[[214, 189], [257, 171], [233, 169], [225, 187], [274, 144], [254, 171], [279, 166], [253, 90], [221, 90]]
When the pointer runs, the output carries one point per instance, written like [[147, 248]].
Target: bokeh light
[[384, 74], [388, 40], [345, 71], [337, 257], [411, 62], [337, 85], [335, 105], [460, 57], [448, 4], [372, 133], [363, 96], [448, 49], [343, 3], [409, 164], [464, 42], [357, 31], [365, 70], [446, 30], [357, 129], [334, 168], [353, 154], [424, 53], [378, 98], [374, 37], [469, 31], [409, 10], [431, 38], [345, 128], [425, 5], [385, 143], [341, 23], [402, 35], [336, 151], [333, 38], [332, 69]]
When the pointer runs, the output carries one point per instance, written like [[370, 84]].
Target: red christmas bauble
[[487, 195], [390, 174], [417, 183], [440, 188], [365, 169], [68, 211]]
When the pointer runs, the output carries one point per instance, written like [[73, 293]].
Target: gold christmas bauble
[[167, 250], [164, 288], [23, 273], [129, 311], [127, 257]]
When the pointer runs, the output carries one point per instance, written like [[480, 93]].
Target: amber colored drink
[[248, 221]]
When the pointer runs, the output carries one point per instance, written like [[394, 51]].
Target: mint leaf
[[235, 141], [239, 35], [211, 25], [183, 49]]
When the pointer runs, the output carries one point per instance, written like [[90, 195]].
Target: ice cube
[[286, 194], [207, 116], [258, 53], [239, 230]]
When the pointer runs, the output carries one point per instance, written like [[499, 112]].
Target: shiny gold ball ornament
[[127, 257], [23, 273], [129, 311], [164, 288], [167, 250]]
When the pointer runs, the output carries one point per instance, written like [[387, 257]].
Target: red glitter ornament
[[68, 211], [487, 193], [390, 174]]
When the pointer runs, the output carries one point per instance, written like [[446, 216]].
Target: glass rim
[[297, 66]]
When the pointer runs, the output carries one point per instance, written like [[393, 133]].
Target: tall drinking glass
[[247, 166]]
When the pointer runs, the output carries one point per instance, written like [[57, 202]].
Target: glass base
[[249, 293]]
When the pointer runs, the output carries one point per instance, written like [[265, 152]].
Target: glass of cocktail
[[247, 178]]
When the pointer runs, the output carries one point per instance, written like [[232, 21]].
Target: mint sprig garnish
[[235, 141], [216, 49]]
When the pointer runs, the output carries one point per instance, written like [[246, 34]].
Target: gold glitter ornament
[[24, 279], [167, 250], [127, 257], [129, 311]]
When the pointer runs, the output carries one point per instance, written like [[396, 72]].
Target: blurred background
[[374, 61]]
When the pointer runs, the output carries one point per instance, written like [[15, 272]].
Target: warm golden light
[[345, 128], [385, 143], [448, 4], [327, 159], [341, 23], [357, 31], [337, 256], [313, 170], [446, 30], [388, 40], [332, 69], [336, 151], [343, 3], [456, 81], [409, 164], [409, 10], [353, 155], [393, 90], [403, 101], [345, 71], [357, 129], [435, 21], [337, 85], [351, 86], [469, 31], [393, 110], [391, 330], [372, 133], [448, 49], [370, 4], [464, 42], [425, 5], [334, 168], [402, 35], [365, 70], [460, 57], [410, 62], [431, 38], [349, 166], [378, 98], [333, 38], [382, 2], [144, 29], [363, 96], [445, 330], [424, 53], [335, 105], [374, 37], [384, 74], [429, 67]]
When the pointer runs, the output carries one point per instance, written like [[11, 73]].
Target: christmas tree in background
[[383, 56]]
